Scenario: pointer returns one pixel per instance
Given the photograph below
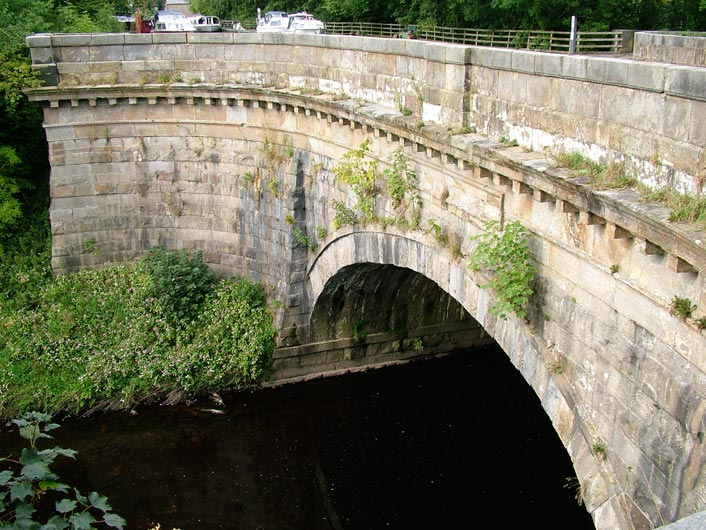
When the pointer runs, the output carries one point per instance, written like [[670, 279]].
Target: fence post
[[572, 43]]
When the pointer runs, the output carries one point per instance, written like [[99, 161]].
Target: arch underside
[[388, 262]]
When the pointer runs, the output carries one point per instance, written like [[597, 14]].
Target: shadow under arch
[[395, 251]]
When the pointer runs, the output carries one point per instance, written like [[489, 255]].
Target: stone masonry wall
[[671, 47], [644, 115]]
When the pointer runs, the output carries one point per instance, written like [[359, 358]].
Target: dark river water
[[456, 442]]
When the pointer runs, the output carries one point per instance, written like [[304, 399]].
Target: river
[[455, 442]]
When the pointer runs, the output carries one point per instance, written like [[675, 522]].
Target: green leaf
[[99, 501], [80, 498], [37, 471], [82, 521], [24, 510], [66, 505], [55, 451], [55, 523], [30, 456], [45, 485], [5, 477], [20, 491], [115, 521]]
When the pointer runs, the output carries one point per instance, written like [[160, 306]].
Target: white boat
[[170, 21], [205, 23], [283, 22]]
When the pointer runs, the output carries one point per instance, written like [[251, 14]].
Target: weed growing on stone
[[681, 307], [504, 255]]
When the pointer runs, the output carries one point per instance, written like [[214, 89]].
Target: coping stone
[[524, 62], [72, 39], [40, 40], [607, 71], [497, 58], [646, 76], [107, 39], [686, 81], [169, 38], [693, 522]]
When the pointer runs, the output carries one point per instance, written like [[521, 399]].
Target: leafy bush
[[101, 339], [31, 497], [232, 339], [504, 254], [179, 281]]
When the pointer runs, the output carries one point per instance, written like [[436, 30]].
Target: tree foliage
[[592, 15]]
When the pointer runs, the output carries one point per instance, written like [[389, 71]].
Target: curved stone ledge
[[478, 158]]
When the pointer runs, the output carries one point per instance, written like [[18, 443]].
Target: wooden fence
[[617, 41]]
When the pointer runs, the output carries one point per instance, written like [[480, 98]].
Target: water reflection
[[459, 442]]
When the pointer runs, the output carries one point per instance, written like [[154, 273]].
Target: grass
[[684, 208]]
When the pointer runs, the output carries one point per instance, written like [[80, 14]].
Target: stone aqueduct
[[226, 143]]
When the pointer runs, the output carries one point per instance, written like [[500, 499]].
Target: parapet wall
[[647, 116], [671, 47]]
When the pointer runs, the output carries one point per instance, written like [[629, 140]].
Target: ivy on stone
[[504, 255]]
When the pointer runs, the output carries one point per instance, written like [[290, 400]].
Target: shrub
[[179, 281]]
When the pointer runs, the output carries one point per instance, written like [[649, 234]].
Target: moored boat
[[205, 23], [170, 21], [283, 22]]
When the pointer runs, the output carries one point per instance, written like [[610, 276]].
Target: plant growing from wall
[[681, 307], [504, 255], [359, 331], [321, 232], [438, 232], [360, 175], [402, 187], [33, 492], [344, 215]]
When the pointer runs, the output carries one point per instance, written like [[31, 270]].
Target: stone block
[[495, 58], [140, 39], [138, 52], [550, 65], [39, 40], [607, 71], [524, 61], [689, 82], [108, 39], [646, 76], [575, 67]]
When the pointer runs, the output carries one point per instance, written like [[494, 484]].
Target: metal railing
[[557, 41]]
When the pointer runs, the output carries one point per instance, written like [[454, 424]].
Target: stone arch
[[419, 253]]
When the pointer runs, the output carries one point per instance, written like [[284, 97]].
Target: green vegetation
[[600, 176], [31, 495], [126, 334], [360, 175], [402, 188], [681, 307], [504, 255], [683, 207]]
